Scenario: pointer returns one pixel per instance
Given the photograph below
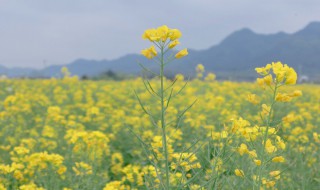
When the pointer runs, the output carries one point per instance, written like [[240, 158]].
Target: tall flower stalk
[[282, 75], [163, 39]]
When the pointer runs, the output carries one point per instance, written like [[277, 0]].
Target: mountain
[[16, 71], [234, 58]]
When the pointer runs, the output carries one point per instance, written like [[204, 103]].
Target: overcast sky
[[35, 33]]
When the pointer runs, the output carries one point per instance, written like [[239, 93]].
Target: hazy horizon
[[37, 34]]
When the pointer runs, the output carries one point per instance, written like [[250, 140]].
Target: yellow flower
[[252, 98], [65, 71], [264, 70], [21, 150], [61, 170], [275, 174], [268, 79], [179, 77], [162, 32], [210, 77], [30, 186], [151, 34], [239, 173], [257, 162], [243, 149], [278, 159], [150, 52], [181, 53], [260, 82], [280, 143], [296, 93], [269, 184], [239, 124], [113, 185], [283, 97], [117, 161], [279, 70], [200, 68], [265, 109], [174, 34], [252, 154], [291, 76], [269, 147], [316, 137], [284, 73], [173, 44], [2, 187]]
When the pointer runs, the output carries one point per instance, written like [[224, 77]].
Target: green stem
[[163, 124], [266, 133], [270, 113]]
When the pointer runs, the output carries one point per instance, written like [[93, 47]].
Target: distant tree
[[111, 74], [84, 77]]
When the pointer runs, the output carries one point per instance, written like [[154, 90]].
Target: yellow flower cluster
[[163, 37], [282, 73], [26, 165], [94, 144], [284, 97], [162, 33]]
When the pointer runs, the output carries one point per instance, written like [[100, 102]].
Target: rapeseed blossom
[[239, 173], [181, 53], [278, 159], [150, 52], [282, 72], [160, 36]]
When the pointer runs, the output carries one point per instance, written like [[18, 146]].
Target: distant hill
[[234, 58]]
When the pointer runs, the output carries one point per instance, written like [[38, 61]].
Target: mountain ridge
[[239, 52]]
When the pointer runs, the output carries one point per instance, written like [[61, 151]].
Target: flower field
[[70, 134], [158, 133]]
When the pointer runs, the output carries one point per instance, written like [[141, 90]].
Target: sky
[[38, 33]]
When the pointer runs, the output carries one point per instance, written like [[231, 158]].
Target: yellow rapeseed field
[[74, 134], [160, 133]]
